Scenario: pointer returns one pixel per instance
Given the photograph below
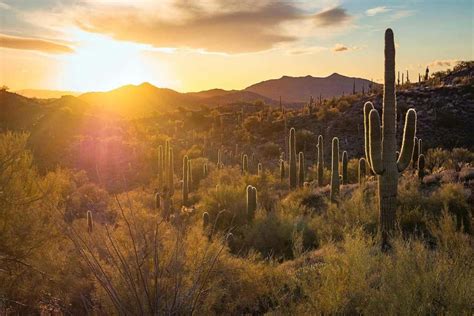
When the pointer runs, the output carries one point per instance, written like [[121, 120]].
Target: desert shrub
[[354, 277], [437, 158], [271, 150], [452, 196]]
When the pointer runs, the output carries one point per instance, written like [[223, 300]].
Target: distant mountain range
[[300, 89], [145, 98]]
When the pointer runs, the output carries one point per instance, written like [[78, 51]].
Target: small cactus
[[421, 166], [416, 153], [185, 180], [90, 223], [251, 202], [205, 220], [204, 170], [160, 167], [335, 179], [301, 169], [245, 164], [171, 171], [282, 170], [292, 158], [344, 167], [320, 165], [259, 169], [362, 170], [157, 201]]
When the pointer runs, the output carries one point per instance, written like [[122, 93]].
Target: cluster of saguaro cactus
[[292, 158], [362, 170], [301, 169], [185, 188], [380, 141], [335, 180], [165, 167], [251, 202], [90, 223], [345, 160], [245, 164], [320, 163]]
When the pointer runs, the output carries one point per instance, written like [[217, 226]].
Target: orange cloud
[[25, 43], [245, 27]]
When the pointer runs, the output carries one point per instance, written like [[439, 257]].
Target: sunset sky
[[187, 45]]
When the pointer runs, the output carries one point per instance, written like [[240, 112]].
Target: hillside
[[300, 89], [45, 94]]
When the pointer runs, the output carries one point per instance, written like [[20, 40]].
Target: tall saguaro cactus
[[345, 160], [335, 181], [382, 144], [185, 180], [301, 169], [320, 165], [292, 158], [251, 202]]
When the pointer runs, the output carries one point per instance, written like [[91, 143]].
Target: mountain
[[45, 94], [132, 100], [300, 89]]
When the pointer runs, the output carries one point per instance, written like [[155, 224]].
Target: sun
[[100, 63]]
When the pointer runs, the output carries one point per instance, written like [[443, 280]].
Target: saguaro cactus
[[157, 200], [160, 167], [190, 175], [251, 202], [89, 222], [204, 170], [382, 144], [292, 158], [362, 170], [245, 164], [301, 169], [171, 170], [205, 220], [344, 167], [259, 169], [320, 166], [282, 170], [185, 180], [335, 180], [416, 153], [421, 166]]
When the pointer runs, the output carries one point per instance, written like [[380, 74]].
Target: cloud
[[307, 50], [400, 14], [376, 10], [332, 17], [444, 63], [340, 48], [4, 6], [41, 45]]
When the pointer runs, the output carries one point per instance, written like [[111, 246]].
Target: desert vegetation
[[247, 208]]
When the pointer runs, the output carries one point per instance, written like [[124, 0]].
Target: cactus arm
[[375, 142], [368, 106], [408, 142]]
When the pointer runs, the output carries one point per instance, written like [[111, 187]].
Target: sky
[[193, 45]]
